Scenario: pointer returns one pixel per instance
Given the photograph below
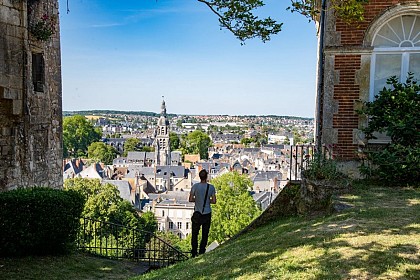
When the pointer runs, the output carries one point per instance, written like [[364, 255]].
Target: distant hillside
[[112, 112], [152, 114]]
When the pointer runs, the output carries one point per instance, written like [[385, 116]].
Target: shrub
[[38, 221], [322, 168], [396, 112]]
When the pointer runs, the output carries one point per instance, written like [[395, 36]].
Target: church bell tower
[[162, 147]]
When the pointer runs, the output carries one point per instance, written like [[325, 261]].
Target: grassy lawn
[[376, 236], [77, 266]]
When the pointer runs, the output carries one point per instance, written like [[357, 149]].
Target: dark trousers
[[203, 221]]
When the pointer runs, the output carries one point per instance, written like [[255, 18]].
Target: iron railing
[[299, 158], [301, 155], [121, 242]]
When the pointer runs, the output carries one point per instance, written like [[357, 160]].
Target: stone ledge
[[7, 93]]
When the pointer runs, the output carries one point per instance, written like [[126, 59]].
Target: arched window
[[396, 51]]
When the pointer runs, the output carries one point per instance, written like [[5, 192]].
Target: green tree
[[235, 207], [78, 134], [197, 142], [395, 111], [297, 139], [174, 141], [179, 123], [130, 145], [147, 149], [238, 16], [246, 141], [102, 152], [103, 203]]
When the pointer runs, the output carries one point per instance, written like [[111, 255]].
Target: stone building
[[355, 62], [161, 144], [30, 94]]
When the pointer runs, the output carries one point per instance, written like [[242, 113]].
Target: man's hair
[[203, 174]]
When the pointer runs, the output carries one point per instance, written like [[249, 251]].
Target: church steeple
[[163, 108], [162, 145]]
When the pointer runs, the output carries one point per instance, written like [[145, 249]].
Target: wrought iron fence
[[122, 242], [301, 155]]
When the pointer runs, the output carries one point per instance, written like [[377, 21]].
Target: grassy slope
[[73, 267], [378, 237]]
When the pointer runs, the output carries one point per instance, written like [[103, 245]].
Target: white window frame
[[405, 56], [403, 51]]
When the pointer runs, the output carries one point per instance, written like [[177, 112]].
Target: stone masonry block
[[9, 93], [9, 15], [6, 131], [17, 107], [5, 150], [363, 77], [330, 136]]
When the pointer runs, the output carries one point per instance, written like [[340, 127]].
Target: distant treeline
[[152, 114], [279, 117], [113, 112]]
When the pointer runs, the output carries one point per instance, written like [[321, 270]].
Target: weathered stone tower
[[162, 146], [355, 62], [30, 94]]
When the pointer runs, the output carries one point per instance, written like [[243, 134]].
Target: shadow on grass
[[377, 237]]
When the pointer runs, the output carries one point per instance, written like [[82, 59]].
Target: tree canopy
[[239, 16], [235, 207], [174, 141], [102, 152], [196, 142], [78, 134], [130, 145], [103, 202]]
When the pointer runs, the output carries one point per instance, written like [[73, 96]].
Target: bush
[[396, 112], [39, 221], [322, 168]]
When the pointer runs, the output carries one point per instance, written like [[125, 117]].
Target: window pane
[[402, 31], [407, 26], [38, 71], [386, 66], [414, 66]]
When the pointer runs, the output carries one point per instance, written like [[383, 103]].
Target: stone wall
[[30, 121]]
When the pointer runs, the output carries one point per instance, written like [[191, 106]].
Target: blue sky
[[126, 55]]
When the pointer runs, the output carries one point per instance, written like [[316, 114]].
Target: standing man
[[202, 194]]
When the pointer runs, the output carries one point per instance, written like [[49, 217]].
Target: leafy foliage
[[102, 152], [78, 134], [322, 168], [197, 142], [349, 11], [238, 16], [235, 207], [103, 203], [44, 28], [174, 141], [395, 111], [38, 221], [131, 144]]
